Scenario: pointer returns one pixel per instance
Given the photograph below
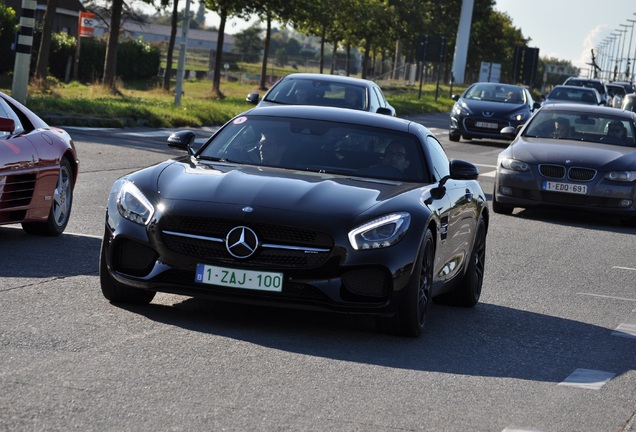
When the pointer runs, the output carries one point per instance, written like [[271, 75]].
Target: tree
[[173, 35], [249, 43], [42, 63], [110, 63]]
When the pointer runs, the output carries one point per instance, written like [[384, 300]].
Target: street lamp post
[[618, 45], [625, 26], [629, 50], [611, 57]]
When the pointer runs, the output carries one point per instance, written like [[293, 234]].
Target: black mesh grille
[[552, 171], [17, 191], [264, 257], [581, 174], [133, 258], [367, 282]]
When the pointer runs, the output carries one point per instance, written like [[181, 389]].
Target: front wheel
[[60, 207], [411, 317], [116, 292], [469, 290]]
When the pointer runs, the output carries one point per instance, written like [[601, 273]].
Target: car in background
[[574, 157], [573, 94], [616, 93], [307, 207], [483, 109], [38, 170], [325, 90], [629, 102], [629, 87], [596, 84]]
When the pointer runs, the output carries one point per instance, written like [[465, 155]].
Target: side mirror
[[181, 140], [509, 132], [253, 98], [462, 170], [455, 97], [536, 105], [7, 125], [384, 111]]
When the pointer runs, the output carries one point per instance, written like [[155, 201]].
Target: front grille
[[581, 174], [367, 282], [565, 198], [552, 171], [16, 190], [276, 235], [572, 173]]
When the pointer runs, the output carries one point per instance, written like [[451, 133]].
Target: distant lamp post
[[629, 50]]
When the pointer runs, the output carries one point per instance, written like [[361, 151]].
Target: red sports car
[[38, 169]]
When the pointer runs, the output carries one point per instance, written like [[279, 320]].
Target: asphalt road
[[551, 347]]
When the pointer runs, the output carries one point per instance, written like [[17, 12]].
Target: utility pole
[[23, 51]]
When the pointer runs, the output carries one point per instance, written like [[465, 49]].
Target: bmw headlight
[[622, 176], [380, 233], [133, 205], [514, 164]]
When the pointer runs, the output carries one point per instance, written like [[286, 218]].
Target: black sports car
[[486, 108], [571, 156], [306, 207]]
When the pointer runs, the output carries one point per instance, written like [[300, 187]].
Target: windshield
[[319, 146], [496, 93], [320, 92], [600, 128]]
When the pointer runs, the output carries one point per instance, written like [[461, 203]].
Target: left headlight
[[380, 233], [133, 205], [518, 116], [622, 176]]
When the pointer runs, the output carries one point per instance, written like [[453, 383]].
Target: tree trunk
[[173, 36], [268, 35], [322, 47], [42, 64], [334, 53], [110, 64], [218, 59]]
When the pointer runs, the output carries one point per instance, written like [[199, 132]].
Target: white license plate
[[486, 125], [565, 187], [235, 278]]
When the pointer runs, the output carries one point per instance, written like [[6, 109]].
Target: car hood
[[260, 187], [541, 150], [499, 108]]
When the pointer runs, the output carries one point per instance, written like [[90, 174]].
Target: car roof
[[332, 78], [331, 114], [591, 109]]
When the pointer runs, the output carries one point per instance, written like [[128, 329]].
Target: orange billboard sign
[[86, 24]]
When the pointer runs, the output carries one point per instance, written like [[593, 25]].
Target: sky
[[569, 29]]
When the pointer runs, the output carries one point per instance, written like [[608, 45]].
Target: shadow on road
[[488, 340]]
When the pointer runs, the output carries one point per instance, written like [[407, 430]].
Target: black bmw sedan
[[486, 108], [305, 207]]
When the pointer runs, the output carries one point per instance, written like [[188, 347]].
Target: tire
[[119, 293], [60, 207], [499, 208], [410, 320], [454, 138], [469, 290]]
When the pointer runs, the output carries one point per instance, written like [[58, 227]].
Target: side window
[[6, 111], [440, 165], [374, 103], [380, 97]]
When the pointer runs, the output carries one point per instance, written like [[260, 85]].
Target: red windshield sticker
[[240, 120]]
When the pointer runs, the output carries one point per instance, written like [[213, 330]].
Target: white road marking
[[625, 330], [624, 268], [488, 174], [588, 379], [607, 297]]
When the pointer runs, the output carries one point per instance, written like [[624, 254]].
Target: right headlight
[[133, 205], [514, 164]]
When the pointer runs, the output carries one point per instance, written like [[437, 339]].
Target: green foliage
[[137, 60], [8, 28], [61, 52]]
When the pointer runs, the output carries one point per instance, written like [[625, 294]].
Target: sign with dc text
[[86, 24]]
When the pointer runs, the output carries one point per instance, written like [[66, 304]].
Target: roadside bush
[[137, 60]]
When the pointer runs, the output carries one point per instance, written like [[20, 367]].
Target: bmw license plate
[[486, 125], [565, 187], [235, 278]]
